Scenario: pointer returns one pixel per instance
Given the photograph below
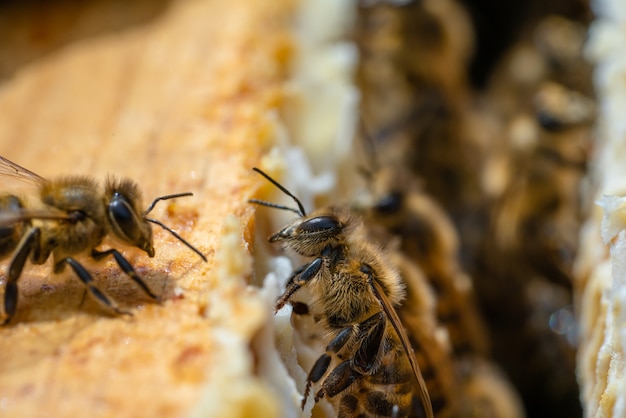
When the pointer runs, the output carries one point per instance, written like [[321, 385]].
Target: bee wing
[[10, 169], [11, 218], [404, 339]]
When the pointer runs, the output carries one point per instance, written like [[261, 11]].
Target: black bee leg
[[371, 334], [126, 268], [26, 246], [338, 380], [87, 280], [290, 285], [317, 371], [297, 280], [321, 365], [296, 273]]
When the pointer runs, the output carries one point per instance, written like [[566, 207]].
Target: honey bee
[[75, 217], [354, 289], [398, 212], [530, 246], [415, 93]]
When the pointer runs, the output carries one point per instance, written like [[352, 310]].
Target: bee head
[[132, 225], [385, 197], [389, 204], [126, 220], [309, 236]]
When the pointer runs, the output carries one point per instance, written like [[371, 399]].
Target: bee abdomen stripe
[[348, 406], [377, 403], [391, 375]]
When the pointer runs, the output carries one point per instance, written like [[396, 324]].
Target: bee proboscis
[[74, 216], [354, 290]]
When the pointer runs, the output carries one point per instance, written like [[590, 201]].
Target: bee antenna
[[166, 197], [181, 239], [274, 205], [301, 212]]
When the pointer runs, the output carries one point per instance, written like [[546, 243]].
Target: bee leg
[[9, 240], [298, 279], [338, 380], [29, 244], [296, 273], [317, 371], [371, 335], [126, 268], [290, 284], [321, 365], [87, 280]]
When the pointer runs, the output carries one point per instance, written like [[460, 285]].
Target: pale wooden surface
[[179, 96]]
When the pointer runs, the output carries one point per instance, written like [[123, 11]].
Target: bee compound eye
[[320, 224], [123, 219], [389, 204], [549, 121]]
